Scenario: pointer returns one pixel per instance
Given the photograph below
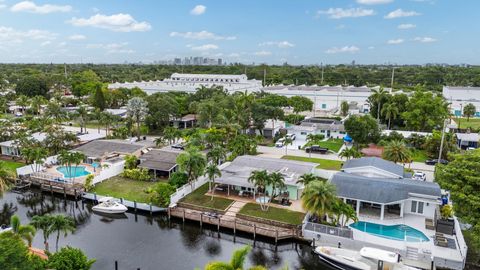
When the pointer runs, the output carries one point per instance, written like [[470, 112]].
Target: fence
[[110, 171], [325, 229]]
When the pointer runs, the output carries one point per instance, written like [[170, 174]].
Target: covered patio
[[160, 163]]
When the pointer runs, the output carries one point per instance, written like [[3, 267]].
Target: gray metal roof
[[159, 160], [102, 148], [381, 190], [374, 162]]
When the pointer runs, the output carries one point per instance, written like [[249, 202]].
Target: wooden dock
[[48, 185], [235, 223], [131, 205]]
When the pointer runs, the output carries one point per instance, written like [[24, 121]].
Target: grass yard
[[473, 123], [419, 155], [273, 213], [120, 187], [325, 164], [331, 144], [13, 165], [198, 197]]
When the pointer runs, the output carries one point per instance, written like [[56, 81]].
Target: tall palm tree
[[318, 196], [54, 111], [349, 153], [193, 163], [211, 171], [377, 96], [61, 223], [37, 102], [26, 232], [106, 119], [216, 154], [35, 156], [43, 223], [260, 179], [288, 141], [76, 159], [277, 182], [82, 116], [5, 176], [23, 102], [397, 151], [307, 178], [171, 134], [390, 111], [137, 108]]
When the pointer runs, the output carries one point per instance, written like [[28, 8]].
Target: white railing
[[109, 172], [462, 245], [186, 189]]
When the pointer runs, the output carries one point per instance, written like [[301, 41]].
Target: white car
[[280, 142], [291, 136], [421, 176]]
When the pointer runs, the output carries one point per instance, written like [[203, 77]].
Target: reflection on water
[[150, 242]]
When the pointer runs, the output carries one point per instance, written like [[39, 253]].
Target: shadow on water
[[143, 241]]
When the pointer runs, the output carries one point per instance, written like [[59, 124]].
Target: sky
[[246, 31]]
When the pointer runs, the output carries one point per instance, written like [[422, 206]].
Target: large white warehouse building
[[461, 96]]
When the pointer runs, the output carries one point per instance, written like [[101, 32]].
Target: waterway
[[150, 242]]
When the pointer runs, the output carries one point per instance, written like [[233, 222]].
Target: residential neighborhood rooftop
[[375, 162], [157, 159], [101, 148]]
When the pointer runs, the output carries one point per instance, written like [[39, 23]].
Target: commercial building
[[458, 97]]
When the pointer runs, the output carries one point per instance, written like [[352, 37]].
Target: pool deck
[[80, 179]]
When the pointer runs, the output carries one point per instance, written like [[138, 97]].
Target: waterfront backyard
[[120, 187]]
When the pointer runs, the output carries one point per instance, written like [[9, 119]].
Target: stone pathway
[[234, 209]]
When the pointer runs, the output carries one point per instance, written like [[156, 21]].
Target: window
[[417, 207], [324, 106], [420, 208], [303, 133], [414, 207]]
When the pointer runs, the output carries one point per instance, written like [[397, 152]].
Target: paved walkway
[[234, 209]]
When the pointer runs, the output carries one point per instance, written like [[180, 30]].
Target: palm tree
[[37, 102], [236, 262], [137, 108], [397, 151], [106, 119], [344, 107], [61, 223], [76, 158], [390, 111], [23, 102], [349, 152], [160, 141], [260, 179], [307, 178], [277, 182], [469, 110], [26, 232], [216, 154], [193, 163], [5, 176], [377, 96], [318, 196], [171, 134], [288, 141], [44, 224], [82, 116], [35, 156], [54, 111], [211, 171]]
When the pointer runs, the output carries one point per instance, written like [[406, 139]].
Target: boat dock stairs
[[131, 205]]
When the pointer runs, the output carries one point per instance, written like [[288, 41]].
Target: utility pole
[[441, 142], [65, 69], [393, 78], [321, 81], [264, 77]]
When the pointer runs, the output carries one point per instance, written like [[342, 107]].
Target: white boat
[[365, 259], [5, 228], [109, 206]]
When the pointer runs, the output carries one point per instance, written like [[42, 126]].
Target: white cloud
[[110, 48], [280, 44], [263, 53], [45, 43], [399, 13], [425, 39], [395, 41], [374, 2], [234, 55], [198, 10], [77, 37], [345, 49], [31, 7], [371, 47], [118, 22], [62, 44], [339, 13], [406, 26], [9, 34], [205, 47], [2, 6], [202, 35]]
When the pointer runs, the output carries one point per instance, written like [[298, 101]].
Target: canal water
[[146, 242]]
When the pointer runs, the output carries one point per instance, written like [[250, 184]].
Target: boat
[[365, 259], [5, 228], [107, 205]]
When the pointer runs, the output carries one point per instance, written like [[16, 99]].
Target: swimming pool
[[394, 232], [78, 171]]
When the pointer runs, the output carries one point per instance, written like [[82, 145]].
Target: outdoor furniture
[[441, 240], [429, 225]]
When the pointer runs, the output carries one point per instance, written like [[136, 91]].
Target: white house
[[330, 128], [461, 96], [467, 140]]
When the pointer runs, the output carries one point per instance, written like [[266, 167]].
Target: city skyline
[[307, 32]]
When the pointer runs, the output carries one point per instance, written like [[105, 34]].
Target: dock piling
[[150, 205], [75, 193], [218, 225], [254, 231], [183, 215], [135, 205], [276, 237], [234, 227], [95, 197], [116, 265], [201, 219], [64, 192], [121, 200]]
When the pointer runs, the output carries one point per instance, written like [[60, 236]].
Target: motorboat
[[5, 228], [108, 205], [365, 259]]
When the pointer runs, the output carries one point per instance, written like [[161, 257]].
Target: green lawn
[[473, 123], [325, 164], [120, 187], [331, 144], [198, 197], [13, 165], [419, 155], [273, 213]]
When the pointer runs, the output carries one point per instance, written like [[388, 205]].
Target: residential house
[[160, 163], [467, 140], [330, 128]]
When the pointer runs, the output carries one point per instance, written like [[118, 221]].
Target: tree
[[61, 223], [6, 176], [193, 163], [171, 134], [35, 156], [307, 178], [23, 101], [390, 111], [43, 223], [300, 104], [37, 102], [469, 110], [349, 152], [211, 171], [396, 151], [461, 177], [318, 196], [260, 179], [433, 142], [32, 86], [425, 111], [178, 179], [26, 232], [69, 258], [160, 194], [236, 262], [216, 154], [131, 162], [99, 98], [287, 141], [54, 111], [363, 129], [344, 107], [276, 182], [14, 254], [137, 109], [377, 96], [82, 116], [242, 145]]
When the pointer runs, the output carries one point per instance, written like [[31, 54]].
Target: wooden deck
[[49, 185], [234, 223]]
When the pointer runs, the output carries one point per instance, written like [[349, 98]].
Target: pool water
[[394, 232], [78, 171]]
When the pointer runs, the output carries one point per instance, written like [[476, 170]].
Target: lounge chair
[[429, 225], [441, 240]]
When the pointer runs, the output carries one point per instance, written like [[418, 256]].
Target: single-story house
[[109, 149], [378, 188], [235, 175], [160, 163], [330, 128], [270, 129], [118, 112], [186, 121], [467, 140]]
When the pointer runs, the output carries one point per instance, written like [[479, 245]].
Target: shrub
[[446, 211], [178, 179], [131, 162], [88, 182], [160, 194], [139, 174], [69, 258]]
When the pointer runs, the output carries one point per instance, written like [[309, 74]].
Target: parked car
[[316, 149], [178, 146], [291, 136], [421, 176], [435, 161], [280, 142]]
